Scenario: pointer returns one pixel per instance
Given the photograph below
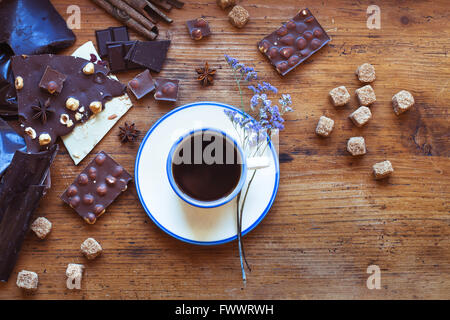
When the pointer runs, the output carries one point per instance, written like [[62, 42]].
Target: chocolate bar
[[167, 89], [110, 35], [10, 142], [149, 54], [294, 42], [142, 84], [100, 183], [21, 188], [116, 56], [52, 80], [198, 28], [46, 116]]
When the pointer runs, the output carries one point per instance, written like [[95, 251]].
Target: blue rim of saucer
[[205, 243], [195, 202]]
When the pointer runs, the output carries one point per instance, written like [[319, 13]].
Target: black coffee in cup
[[206, 166]]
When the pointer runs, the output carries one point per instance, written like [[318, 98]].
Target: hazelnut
[[96, 107], [31, 132], [89, 68], [81, 109], [64, 119], [44, 139], [78, 116], [69, 123], [72, 104], [18, 83], [52, 86], [197, 34]]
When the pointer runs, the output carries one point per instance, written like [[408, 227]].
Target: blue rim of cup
[[204, 243], [199, 203]]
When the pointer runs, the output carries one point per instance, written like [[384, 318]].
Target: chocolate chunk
[[116, 56], [149, 54], [52, 80], [294, 42], [110, 35], [10, 142], [84, 89], [167, 89], [198, 28], [21, 188], [90, 197], [142, 84]]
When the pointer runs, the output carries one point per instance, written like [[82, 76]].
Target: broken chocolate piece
[[116, 56], [111, 34], [84, 88], [52, 80], [149, 54], [294, 42], [97, 186], [198, 28], [167, 89], [21, 188], [10, 142], [142, 84]]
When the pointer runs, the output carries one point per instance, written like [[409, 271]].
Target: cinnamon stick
[[125, 19], [149, 8], [176, 3], [121, 5], [163, 4]]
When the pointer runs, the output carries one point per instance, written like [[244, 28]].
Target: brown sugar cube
[[366, 95], [366, 73], [27, 280], [74, 273], [41, 227], [225, 3], [356, 146], [91, 248], [361, 116], [339, 96], [238, 16], [402, 101], [324, 126], [382, 169]]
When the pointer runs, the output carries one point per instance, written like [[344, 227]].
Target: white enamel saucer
[[202, 226]]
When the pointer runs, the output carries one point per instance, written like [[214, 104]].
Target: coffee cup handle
[[255, 163]]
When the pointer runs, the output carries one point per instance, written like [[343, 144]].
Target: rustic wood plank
[[330, 219]]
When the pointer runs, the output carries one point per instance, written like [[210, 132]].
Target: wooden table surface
[[331, 219]]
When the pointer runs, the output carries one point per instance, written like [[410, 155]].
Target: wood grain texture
[[331, 219]]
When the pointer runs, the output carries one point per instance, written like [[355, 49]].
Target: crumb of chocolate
[[324, 126], [339, 96], [361, 116], [402, 101], [366, 95], [91, 248], [27, 280], [366, 73], [382, 169], [356, 146], [41, 227], [238, 16]]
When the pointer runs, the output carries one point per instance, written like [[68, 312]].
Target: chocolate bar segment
[[116, 56], [294, 42], [110, 35], [198, 28], [100, 183], [167, 89], [149, 54], [142, 84], [10, 142]]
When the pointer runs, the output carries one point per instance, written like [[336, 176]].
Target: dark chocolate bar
[[10, 142], [167, 89], [149, 54], [21, 188], [116, 56], [97, 186], [198, 28], [110, 35], [142, 84], [47, 116], [294, 42]]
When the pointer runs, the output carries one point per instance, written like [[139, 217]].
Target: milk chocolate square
[[167, 89], [142, 84], [198, 28], [52, 80]]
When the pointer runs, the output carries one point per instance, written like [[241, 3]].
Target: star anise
[[206, 75], [42, 111], [128, 132]]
